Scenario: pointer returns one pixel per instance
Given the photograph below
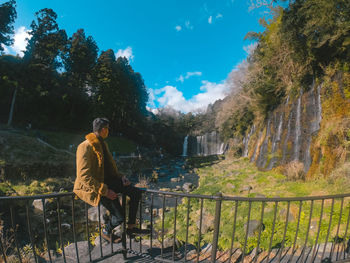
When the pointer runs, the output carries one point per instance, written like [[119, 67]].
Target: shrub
[[294, 170]]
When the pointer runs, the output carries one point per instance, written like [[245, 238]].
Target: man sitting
[[99, 181]]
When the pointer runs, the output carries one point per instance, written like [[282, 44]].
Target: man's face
[[104, 132]]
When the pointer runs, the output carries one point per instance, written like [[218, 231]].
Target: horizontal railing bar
[[34, 197], [175, 194], [283, 199], [213, 197]]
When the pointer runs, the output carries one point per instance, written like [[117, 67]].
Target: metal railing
[[184, 227]]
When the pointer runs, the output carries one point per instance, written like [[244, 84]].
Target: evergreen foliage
[[8, 15], [63, 83]]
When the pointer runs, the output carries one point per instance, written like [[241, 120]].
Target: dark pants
[[115, 209]]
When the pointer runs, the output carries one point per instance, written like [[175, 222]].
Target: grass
[[24, 159], [63, 140], [231, 177]]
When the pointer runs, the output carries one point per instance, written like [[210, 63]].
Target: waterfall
[[208, 144], [297, 130], [279, 131], [252, 159], [184, 147], [198, 139], [262, 158], [276, 140], [246, 141], [315, 124], [318, 107], [285, 145]]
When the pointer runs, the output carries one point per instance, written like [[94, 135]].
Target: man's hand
[[125, 181], [111, 194]]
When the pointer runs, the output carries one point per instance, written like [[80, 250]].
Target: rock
[[283, 213], [246, 188], [207, 221], [168, 242], [175, 179], [97, 242], [65, 226], [38, 204], [93, 213], [83, 249], [260, 196], [254, 226], [187, 187]]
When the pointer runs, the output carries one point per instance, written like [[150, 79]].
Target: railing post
[[216, 226], [124, 227]]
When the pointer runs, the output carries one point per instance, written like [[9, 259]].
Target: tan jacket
[[89, 185]]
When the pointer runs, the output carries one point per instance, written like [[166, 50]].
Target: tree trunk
[[9, 123]]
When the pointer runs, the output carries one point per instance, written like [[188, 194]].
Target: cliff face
[[304, 130]]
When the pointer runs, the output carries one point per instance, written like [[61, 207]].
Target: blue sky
[[184, 49]]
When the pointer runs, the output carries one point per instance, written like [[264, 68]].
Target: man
[[98, 180]]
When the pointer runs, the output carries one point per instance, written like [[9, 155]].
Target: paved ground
[[108, 254]]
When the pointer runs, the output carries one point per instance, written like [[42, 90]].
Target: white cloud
[[250, 48], [125, 53], [170, 96], [188, 25], [188, 75], [178, 28], [6, 50], [212, 19], [181, 79], [19, 43], [151, 97], [154, 111]]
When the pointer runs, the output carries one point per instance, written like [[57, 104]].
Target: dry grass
[[143, 182], [294, 171]]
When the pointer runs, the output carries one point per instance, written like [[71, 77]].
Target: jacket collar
[[96, 146]]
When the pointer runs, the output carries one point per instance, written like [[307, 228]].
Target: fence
[[185, 227]]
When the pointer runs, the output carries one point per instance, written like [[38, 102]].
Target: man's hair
[[99, 123]]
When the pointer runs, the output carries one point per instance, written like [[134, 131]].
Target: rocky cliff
[[312, 129]]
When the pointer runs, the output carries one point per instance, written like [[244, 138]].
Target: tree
[[80, 57], [318, 31], [47, 40], [79, 60], [106, 95], [11, 76], [8, 15]]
